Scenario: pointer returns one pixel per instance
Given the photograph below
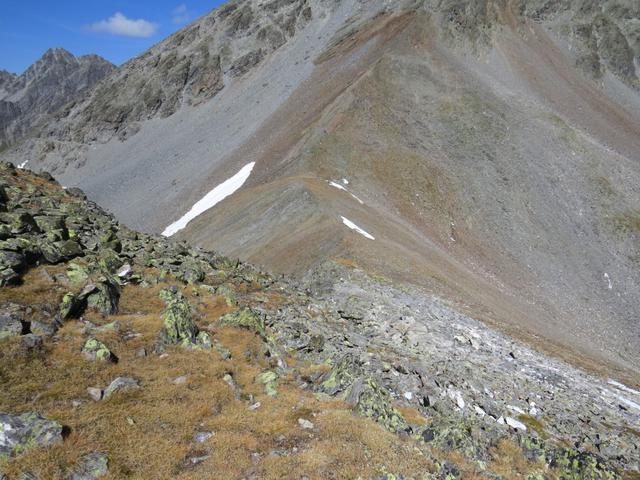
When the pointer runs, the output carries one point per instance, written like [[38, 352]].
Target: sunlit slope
[[476, 179]]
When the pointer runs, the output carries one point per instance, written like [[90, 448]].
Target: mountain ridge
[[28, 101]]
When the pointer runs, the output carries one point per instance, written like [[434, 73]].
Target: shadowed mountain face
[[491, 148], [28, 100]]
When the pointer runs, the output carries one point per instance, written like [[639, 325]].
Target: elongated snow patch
[[353, 226], [211, 199]]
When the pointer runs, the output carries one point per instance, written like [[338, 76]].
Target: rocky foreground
[[126, 355]]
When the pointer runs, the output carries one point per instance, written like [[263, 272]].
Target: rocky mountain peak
[[55, 79]]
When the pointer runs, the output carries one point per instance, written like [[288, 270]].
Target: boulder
[[19, 222], [18, 433], [372, 401], [179, 326], [95, 350], [105, 298], [245, 318], [14, 260], [52, 224], [269, 379], [120, 384], [11, 321], [72, 306]]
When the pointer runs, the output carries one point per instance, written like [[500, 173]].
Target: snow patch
[[211, 199], [353, 226], [337, 185], [340, 187], [608, 279], [23, 164]]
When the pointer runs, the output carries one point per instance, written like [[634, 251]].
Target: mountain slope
[[57, 78], [494, 146], [127, 355]]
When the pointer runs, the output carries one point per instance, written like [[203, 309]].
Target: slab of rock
[[120, 384], [18, 433]]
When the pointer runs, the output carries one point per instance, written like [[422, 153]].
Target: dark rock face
[[26, 101]]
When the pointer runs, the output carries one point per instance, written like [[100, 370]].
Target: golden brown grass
[[148, 432], [510, 462]]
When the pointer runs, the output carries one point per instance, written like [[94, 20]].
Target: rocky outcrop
[[57, 78]]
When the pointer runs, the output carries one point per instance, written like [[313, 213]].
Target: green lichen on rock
[[269, 379], [94, 349], [19, 433], [245, 318], [71, 306], [228, 293], [105, 298], [77, 273], [372, 401], [179, 326], [341, 376]]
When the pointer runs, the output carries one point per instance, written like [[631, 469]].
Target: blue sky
[[115, 29]]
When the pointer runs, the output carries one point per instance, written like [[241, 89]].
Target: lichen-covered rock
[[343, 374], [19, 433], [90, 467], [179, 326], [269, 379], [72, 305], [120, 384], [228, 293], [52, 223], [10, 321], [372, 401], [77, 273], [94, 349], [105, 298], [245, 318]]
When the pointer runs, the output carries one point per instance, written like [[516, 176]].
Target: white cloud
[[180, 14], [118, 24]]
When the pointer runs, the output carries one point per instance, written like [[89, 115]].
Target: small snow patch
[[345, 181], [211, 199], [337, 185], [608, 279], [23, 164], [340, 187], [353, 226]]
